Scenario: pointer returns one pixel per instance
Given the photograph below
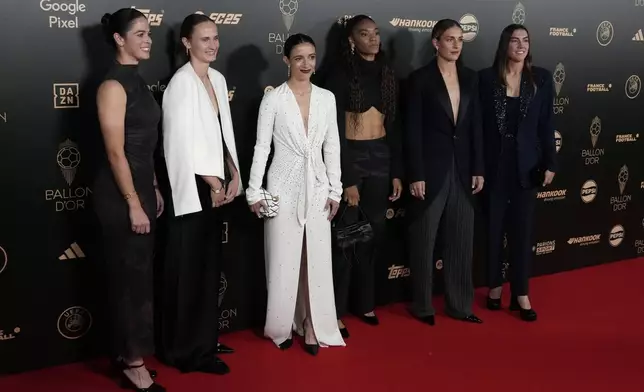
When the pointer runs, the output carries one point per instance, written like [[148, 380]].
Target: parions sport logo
[[544, 247]]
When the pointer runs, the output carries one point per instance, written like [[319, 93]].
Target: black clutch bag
[[347, 235]]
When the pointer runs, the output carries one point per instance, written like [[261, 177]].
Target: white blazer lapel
[[220, 88]]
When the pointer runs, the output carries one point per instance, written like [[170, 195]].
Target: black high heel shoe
[[312, 349], [525, 314], [493, 303], [285, 345], [118, 365], [126, 383]]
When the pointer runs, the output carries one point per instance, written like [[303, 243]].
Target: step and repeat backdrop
[[53, 56]]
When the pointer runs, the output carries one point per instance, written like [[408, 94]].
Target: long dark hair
[[356, 94], [501, 57]]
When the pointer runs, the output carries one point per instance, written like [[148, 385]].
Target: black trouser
[[190, 308], [451, 206], [507, 201], [354, 267]]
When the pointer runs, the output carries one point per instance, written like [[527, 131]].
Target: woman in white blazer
[[300, 120], [201, 158]]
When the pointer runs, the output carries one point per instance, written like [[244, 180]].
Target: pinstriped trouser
[[452, 204]]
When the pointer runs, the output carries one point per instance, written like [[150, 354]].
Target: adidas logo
[[639, 36], [73, 252]]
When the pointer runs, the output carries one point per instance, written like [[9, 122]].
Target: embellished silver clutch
[[272, 204]]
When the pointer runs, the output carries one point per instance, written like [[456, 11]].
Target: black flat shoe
[[223, 349], [285, 345], [472, 319], [428, 320], [528, 315], [371, 320], [493, 304], [126, 383], [118, 365], [344, 332]]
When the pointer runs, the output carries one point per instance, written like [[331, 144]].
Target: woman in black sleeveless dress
[[125, 198]]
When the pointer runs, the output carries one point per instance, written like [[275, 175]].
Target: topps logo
[[224, 18], [153, 19]]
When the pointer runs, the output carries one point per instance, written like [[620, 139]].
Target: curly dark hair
[[388, 84]]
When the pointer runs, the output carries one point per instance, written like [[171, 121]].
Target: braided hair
[[350, 59]]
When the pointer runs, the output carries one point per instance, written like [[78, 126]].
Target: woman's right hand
[[139, 220], [417, 189], [257, 208], [352, 196]]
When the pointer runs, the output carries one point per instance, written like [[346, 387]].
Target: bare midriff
[[370, 125]]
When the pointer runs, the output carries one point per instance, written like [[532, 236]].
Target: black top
[[513, 105], [142, 116], [339, 81]]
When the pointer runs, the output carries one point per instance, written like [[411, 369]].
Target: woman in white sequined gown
[[300, 120]]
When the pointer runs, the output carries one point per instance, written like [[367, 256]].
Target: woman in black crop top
[[126, 197], [366, 93], [516, 102]]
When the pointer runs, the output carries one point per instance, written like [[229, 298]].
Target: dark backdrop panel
[[50, 285]]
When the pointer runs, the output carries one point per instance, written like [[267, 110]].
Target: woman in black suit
[[444, 157], [516, 102]]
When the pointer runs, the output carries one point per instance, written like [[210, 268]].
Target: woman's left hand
[[160, 203], [232, 189], [397, 189], [332, 206]]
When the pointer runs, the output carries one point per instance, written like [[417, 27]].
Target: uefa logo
[[605, 33], [74, 322], [633, 87]]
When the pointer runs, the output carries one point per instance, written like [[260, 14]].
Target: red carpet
[[590, 337]]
